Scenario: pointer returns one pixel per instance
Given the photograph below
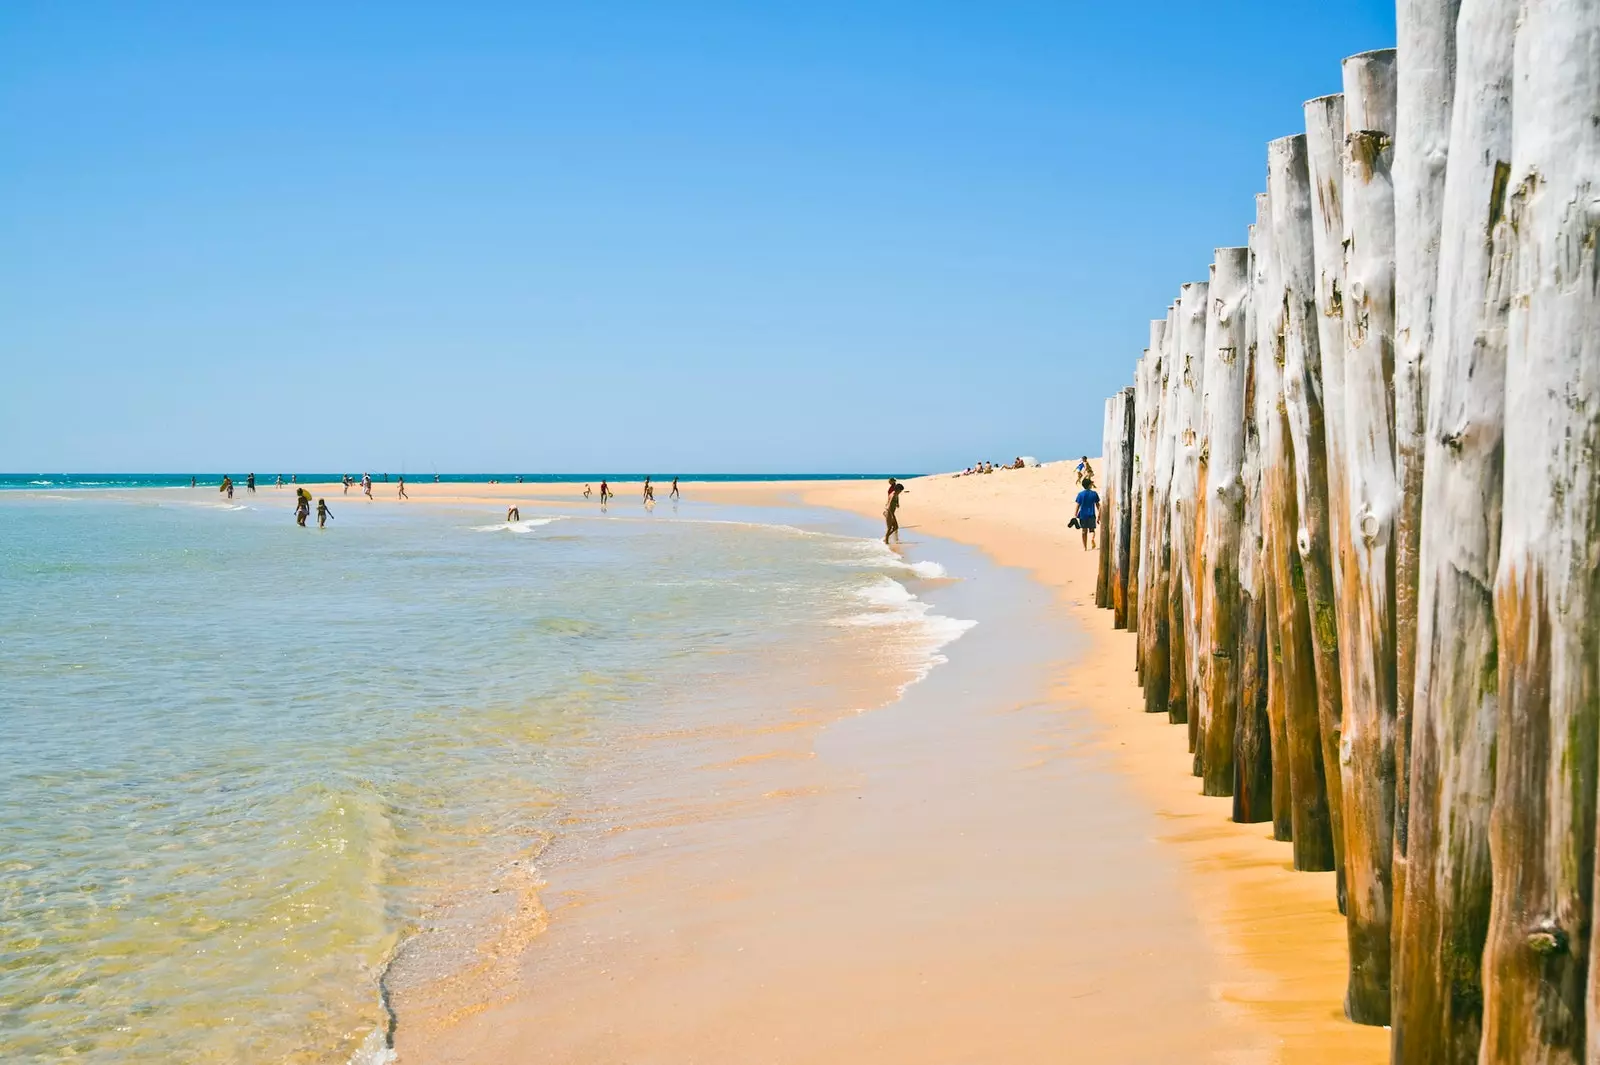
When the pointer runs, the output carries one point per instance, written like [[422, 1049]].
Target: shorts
[[1086, 524]]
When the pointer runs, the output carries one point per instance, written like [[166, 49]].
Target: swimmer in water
[[513, 514]]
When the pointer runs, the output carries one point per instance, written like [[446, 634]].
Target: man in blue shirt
[[1088, 510]]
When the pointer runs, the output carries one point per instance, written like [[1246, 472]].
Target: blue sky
[[588, 237]]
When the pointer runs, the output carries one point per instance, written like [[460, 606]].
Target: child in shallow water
[[323, 513]]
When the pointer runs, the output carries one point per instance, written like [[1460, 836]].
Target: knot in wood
[[1302, 540], [1547, 939], [1369, 525]]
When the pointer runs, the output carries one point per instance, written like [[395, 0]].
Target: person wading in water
[[891, 511]]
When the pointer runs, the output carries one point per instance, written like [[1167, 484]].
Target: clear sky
[[820, 236]]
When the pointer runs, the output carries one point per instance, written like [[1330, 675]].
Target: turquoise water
[[35, 482], [242, 759]]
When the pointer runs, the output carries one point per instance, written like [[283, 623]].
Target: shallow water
[[243, 761]]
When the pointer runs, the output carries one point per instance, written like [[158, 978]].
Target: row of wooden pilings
[[1353, 517]]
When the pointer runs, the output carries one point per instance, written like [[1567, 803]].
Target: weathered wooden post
[[1547, 588], [1289, 760], [1425, 81], [1108, 474], [1366, 621], [1140, 467], [1438, 972], [1124, 513], [1253, 797], [1154, 632], [1189, 369], [1227, 351], [1289, 189], [1325, 132]]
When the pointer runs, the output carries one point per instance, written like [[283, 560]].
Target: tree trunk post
[[1157, 651], [1289, 185], [1253, 796], [1547, 586], [1108, 502], [1140, 467], [1227, 355], [1124, 514], [1424, 85], [1289, 760], [1189, 371], [1366, 621], [1438, 971]]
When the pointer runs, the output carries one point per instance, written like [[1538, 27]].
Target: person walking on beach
[[193, 481], [366, 485], [1083, 471], [605, 493], [302, 507], [250, 483], [891, 511], [1088, 512], [280, 481], [674, 492], [323, 513], [227, 486], [587, 491], [649, 492], [345, 480], [403, 488]]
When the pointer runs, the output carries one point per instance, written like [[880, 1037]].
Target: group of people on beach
[[989, 467]]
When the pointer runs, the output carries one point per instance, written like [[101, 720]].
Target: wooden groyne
[[1352, 516]]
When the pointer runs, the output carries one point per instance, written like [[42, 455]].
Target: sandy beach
[[1012, 863]]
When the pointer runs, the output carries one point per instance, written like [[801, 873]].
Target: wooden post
[[1438, 970], [1547, 588], [1366, 621], [1253, 796], [1188, 370], [1325, 133], [1108, 466], [1289, 188], [1425, 82], [1140, 466], [1266, 304], [1124, 515], [1227, 351], [1305, 610], [1157, 649]]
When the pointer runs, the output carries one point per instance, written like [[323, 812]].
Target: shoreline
[[916, 894]]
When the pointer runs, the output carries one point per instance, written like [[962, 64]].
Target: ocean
[[247, 765]]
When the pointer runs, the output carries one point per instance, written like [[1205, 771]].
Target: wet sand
[[1010, 864]]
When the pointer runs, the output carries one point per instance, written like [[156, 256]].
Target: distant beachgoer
[[587, 491], [227, 486], [891, 511], [294, 478], [403, 489], [649, 493], [674, 493], [302, 509], [250, 482], [519, 478], [1088, 512], [386, 478], [323, 513], [1082, 471], [366, 485], [436, 478], [605, 493], [513, 514], [279, 483], [193, 482]]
